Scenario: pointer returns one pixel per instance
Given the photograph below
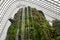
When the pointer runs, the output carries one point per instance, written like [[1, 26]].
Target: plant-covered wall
[[36, 26]]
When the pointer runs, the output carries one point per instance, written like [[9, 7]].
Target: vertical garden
[[31, 24]]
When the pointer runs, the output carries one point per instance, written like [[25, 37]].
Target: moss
[[38, 26]]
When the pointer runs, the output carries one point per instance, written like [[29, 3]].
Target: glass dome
[[8, 8]]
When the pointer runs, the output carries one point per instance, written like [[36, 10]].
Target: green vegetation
[[56, 25], [39, 28]]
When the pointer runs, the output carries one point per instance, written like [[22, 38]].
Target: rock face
[[33, 27]]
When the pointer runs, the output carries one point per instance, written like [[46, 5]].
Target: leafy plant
[[36, 26]]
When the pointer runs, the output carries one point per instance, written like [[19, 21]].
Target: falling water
[[28, 28], [18, 27], [17, 34], [23, 25], [28, 25]]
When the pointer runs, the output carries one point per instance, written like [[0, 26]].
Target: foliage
[[39, 28], [56, 25]]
